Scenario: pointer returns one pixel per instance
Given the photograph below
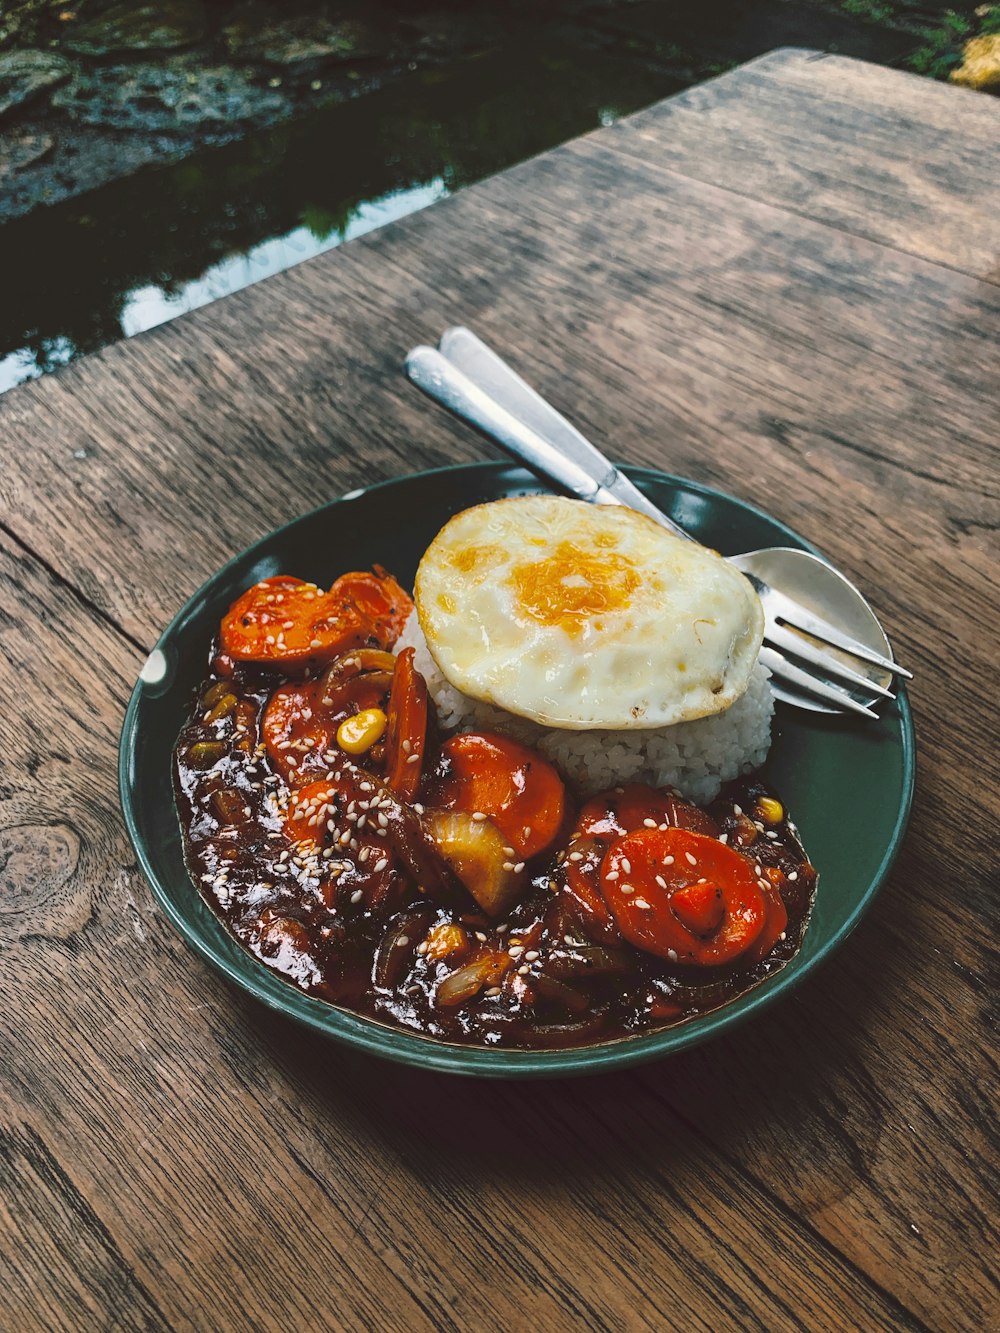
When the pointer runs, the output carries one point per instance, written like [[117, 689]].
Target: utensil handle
[[435, 375], [489, 372]]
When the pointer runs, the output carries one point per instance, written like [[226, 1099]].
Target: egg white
[[580, 616]]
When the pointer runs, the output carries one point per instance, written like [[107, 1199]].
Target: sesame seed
[[626, 865], [413, 759], [649, 823], [661, 881], [724, 838], [627, 888], [576, 856], [531, 955], [502, 930], [508, 865], [518, 867], [612, 875], [422, 947], [523, 970], [418, 809], [668, 860], [493, 990], [383, 822], [406, 747], [516, 950], [641, 902], [364, 854], [380, 864], [480, 937], [402, 941], [509, 851], [672, 955], [478, 816], [691, 860], [737, 809], [793, 875], [356, 896]]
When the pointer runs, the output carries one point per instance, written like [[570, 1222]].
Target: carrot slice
[[664, 887], [624, 809], [378, 598], [514, 786], [406, 729], [298, 731], [284, 621]]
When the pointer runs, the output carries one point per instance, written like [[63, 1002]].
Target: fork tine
[[799, 618], [779, 637], [804, 680]]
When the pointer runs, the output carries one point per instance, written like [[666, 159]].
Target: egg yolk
[[572, 585]]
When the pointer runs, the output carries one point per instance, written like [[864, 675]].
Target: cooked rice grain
[[694, 757]]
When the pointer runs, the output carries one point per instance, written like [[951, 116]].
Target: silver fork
[[812, 660]]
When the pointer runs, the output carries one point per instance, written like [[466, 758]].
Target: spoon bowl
[[824, 591]]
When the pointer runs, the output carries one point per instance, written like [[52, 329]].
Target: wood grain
[[171, 1156], [885, 155]]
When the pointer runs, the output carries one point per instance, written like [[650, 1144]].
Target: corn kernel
[[359, 733], [770, 810]]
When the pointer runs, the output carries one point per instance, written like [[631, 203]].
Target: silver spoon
[[469, 379]]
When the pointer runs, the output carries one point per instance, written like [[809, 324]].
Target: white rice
[[696, 758]]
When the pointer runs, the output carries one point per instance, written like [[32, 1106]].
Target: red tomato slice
[[284, 621], [406, 731], [514, 786], [664, 889]]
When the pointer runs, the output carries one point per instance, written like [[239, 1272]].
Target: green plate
[[835, 773]]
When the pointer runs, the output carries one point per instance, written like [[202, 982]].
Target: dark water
[[80, 274]]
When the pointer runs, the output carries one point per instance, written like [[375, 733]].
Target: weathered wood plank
[[844, 1140], [889, 156], [204, 1166]]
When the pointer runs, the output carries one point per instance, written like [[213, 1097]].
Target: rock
[[299, 39], [981, 66], [25, 75], [172, 94], [136, 27], [18, 151]]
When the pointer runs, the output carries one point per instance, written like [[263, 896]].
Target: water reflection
[[124, 258]]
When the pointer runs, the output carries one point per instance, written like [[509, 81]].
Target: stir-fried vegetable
[[513, 786], [683, 896], [407, 728], [286, 622]]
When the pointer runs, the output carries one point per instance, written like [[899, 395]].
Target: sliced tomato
[[514, 786], [684, 896], [406, 730], [625, 809], [298, 731], [284, 621]]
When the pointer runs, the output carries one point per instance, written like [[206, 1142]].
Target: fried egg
[[583, 616]]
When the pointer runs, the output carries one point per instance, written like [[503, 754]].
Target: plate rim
[[416, 1049]]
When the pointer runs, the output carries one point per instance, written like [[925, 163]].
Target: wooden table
[[785, 283]]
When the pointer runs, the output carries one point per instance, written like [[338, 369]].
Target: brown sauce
[[359, 920]]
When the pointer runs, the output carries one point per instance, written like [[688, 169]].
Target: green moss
[[944, 43], [872, 11]]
